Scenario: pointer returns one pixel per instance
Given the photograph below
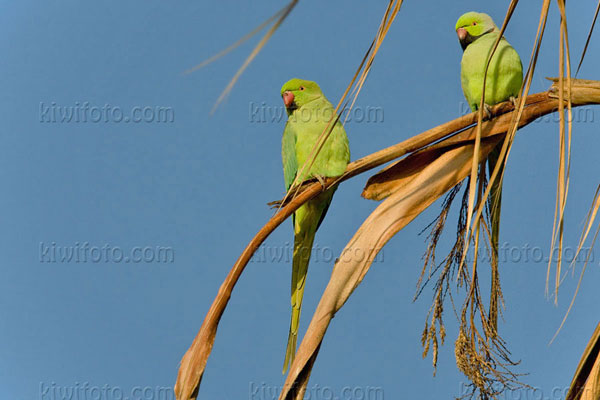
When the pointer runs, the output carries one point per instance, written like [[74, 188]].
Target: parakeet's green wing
[[338, 160], [288, 155], [504, 76]]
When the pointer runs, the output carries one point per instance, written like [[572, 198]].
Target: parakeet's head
[[472, 25], [298, 92]]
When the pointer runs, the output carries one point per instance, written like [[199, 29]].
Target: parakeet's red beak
[[288, 99], [462, 33]]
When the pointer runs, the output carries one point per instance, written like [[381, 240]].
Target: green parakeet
[[477, 34], [308, 115]]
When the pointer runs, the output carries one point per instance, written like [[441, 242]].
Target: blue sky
[[143, 187]]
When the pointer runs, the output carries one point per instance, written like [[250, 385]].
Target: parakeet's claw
[[294, 191], [513, 100], [275, 203], [488, 111], [321, 180]]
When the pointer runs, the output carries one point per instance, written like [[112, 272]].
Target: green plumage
[[477, 34], [308, 115], [505, 73]]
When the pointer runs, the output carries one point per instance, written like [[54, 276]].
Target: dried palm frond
[[276, 19], [564, 165], [587, 41], [586, 381], [591, 217]]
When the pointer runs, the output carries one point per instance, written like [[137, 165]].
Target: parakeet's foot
[[488, 111], [286, 199], [321, 180], [295, 190], [513, 100], [275, 203]]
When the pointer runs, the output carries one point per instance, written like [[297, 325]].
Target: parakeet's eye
[[301, 87], [474, 23]]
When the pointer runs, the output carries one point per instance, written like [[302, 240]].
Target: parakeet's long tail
[[495, 198], [303, 241], [494, 204]]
